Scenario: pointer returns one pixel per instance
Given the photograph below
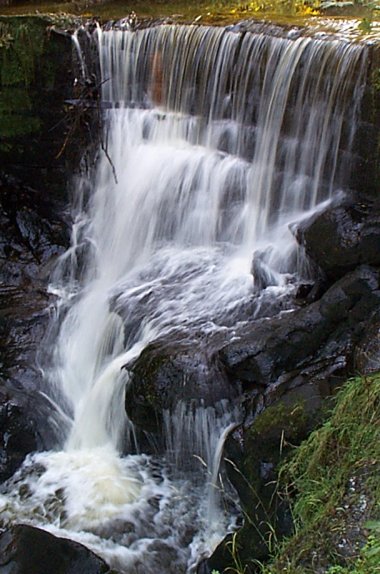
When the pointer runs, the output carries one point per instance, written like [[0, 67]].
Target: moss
[[6, 38], [282, 419], [19, 60], [267, 442], [274, 432], [375, 79]]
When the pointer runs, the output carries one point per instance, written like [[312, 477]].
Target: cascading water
[[216, 141]]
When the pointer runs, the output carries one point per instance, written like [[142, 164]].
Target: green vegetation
[[21, 46], [29, 74], [332, 485]]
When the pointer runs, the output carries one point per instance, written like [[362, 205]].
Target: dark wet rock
[[33, 235], [303, 291], [168, 372], [286, 422], [36, 77], [253, 451], [28, 550], [342, 237], [30, 241], [312, 344], [23, 320], [366, 173], [263, 275], [17, 435], [23, 428], [367, 352]]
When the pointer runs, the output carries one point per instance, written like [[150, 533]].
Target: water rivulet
[[214, 143]]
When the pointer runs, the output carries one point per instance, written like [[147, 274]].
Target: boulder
[[264, 359], [263, 275], [29, 550], [168, 372], [342, 237]]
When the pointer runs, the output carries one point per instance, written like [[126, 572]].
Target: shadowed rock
[[313, 343], [168, 372], [367, 353], [28, 550], [342, 238]]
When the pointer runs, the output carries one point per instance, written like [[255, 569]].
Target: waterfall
[[214, 142]]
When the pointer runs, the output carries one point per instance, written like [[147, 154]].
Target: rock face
[[367, 353], [18, 433], [252, 471], [293, 361], [365, 178], [28, 550], [35, 79]]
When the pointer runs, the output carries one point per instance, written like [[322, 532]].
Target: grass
[[332, 483]]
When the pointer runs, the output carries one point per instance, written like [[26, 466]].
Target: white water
[[218, 142]]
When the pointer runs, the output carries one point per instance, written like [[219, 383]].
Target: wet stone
[[342, 237], [28, 550]]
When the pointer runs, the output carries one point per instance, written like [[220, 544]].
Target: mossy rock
[[277, 430], [22, 44], [170, 371], [36, 76]]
